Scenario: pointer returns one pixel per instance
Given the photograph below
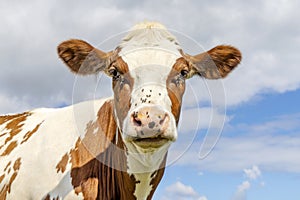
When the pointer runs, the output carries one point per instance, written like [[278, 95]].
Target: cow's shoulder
[[82, 160], [45, 139], [96, 136]]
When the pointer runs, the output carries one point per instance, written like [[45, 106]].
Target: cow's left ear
[[82, 58], [215, 63]]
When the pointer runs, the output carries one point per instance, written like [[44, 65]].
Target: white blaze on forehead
[[145, 56]]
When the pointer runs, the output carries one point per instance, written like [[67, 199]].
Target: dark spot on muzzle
[[151, 124]]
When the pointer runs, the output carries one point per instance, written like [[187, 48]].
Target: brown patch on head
[[7, 186], [14, 125], [30, 133], [176, 85], [62, 164], [122, 87], [98, 136]]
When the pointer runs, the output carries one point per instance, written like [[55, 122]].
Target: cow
[[112, 148]]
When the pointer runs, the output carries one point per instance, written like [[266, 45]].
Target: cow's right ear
[[82, 58]]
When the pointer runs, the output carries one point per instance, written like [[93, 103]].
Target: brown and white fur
[[113, 148]]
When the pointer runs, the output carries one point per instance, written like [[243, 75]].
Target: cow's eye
[[114, 72], [184, 73]]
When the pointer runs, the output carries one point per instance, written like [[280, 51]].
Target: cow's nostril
[[136, 121]]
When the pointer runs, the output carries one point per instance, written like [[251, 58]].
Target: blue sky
[[257, 156], [274, 182]]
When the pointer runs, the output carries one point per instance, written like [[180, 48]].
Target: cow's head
[[148, 71]]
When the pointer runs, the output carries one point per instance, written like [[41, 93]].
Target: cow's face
[[148, 86], [148, 79]]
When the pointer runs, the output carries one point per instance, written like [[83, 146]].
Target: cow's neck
[[144, 169], [147, 169]]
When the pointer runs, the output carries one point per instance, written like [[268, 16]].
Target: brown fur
[[122, 90], [82, 58], [216, 63], [176, 86], [6, 118], [14, 125], [10, 148], [48, 198], [87, 168], [93, 144], [8, 164], [90, 189], [62, 164], [7, 186], [2, 177], [30, 133]]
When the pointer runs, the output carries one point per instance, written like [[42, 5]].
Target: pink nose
[[150, 121]]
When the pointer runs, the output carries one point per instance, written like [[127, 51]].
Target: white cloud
[[244, 186], [252, 173], [29, 64], [180, 191], [241, 191], [8, 104]]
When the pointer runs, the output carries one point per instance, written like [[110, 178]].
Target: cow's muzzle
[[150, 124]]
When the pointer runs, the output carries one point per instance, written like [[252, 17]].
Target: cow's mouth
[[154, 142]]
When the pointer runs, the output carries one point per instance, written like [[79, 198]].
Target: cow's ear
[[82, 58], [215, 63]]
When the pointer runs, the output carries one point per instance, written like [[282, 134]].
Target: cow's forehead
[[149, 44], [147, 57]]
